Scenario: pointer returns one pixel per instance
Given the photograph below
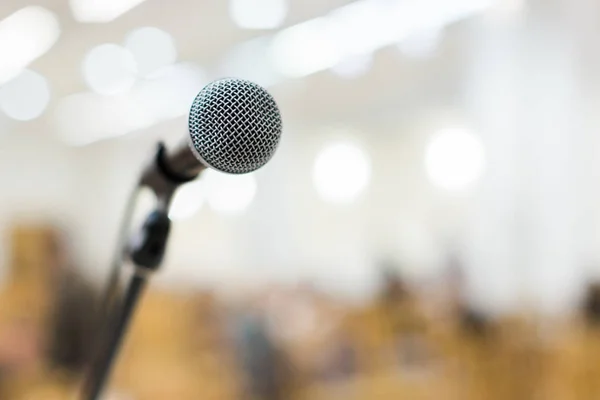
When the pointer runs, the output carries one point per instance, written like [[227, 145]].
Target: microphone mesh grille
[[234, 125]]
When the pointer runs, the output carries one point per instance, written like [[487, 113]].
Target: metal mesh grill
[[234, 125]]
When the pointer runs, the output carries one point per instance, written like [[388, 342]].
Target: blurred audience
[[287, 343]]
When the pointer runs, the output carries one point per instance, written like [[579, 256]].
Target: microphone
[[234, 127]]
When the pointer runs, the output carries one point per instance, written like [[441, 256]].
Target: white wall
[[36, 178]]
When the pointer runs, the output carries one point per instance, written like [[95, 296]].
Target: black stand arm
[[146, 254], [163, 179]]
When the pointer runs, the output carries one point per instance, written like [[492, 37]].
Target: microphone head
[[234, 125]]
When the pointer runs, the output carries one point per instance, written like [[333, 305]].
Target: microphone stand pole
[[146, 256], [145, 253]]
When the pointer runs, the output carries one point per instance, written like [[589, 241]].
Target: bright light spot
[[258, 14], [101, 10], [187, 201], [353, 66], [109, 69], [341, 172], [454, 159], [25, 97], [152, 49], [229, 194], [420, 45], [145, 203], [24, 36], [303, 49], [171, 90]]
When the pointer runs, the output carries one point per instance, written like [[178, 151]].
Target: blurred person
[[474, 323], [466, 336], [73, 319], [498, 357], [73, 324], [474, 346], [266, 368], [591, 305], [405, 319]]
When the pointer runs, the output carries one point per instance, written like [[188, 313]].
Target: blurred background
[[428, 229]]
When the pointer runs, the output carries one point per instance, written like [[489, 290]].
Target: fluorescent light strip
[[24, 36], [361, 27], [101, 10]]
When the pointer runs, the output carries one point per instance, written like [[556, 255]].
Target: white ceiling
[[204, 34]]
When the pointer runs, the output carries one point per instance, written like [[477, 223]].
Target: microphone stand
[[146, 256], [145, 253]]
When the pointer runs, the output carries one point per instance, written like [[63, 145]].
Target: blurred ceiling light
[[109, 69], [101, 10], [248, 60], [229, 194], [303, 49], [258, 14], [152, 49], [341, 172], [508, 9], [353, 66], [187, 201], [25, 97], [361, 27], [84, 118], [24, 36], [420, 44], [454, 159], [171, 91]]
